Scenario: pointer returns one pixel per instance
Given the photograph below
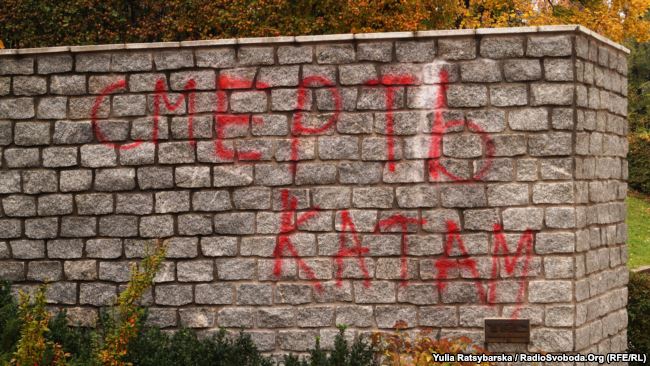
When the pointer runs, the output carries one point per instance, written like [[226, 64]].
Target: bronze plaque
[[507, 330]]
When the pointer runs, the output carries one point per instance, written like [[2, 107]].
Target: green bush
[[9, 323], [75, 341], [638, 312], [153, 347], [639, 162], [36, 23], [359, 354]]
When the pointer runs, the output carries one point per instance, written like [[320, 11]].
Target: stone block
[[58, 157], [375, 51], [502, 47], [467, 95], [29, 85], [214, 294], [295, 54], [236, 317], [505, 95], [131, 61], [39, 181], [156, 226], [254, 294], [27, 249], [557, 46], [415, 51], [522, 70], [234, 223], [16, 66], [65, 248], [528, 119], [335, 54], [457, 48], [555, 94], [17, 108], [169, 60], [19, 206], [118, 179], [249, 55], [22, 158], [173, 295], [215, 57], [68, 84], [73, 132], [118, 226], [97, 156], [83, 270], [75, 180], [195, 271]]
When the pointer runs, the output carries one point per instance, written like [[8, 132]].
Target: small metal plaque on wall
[[507, 330]]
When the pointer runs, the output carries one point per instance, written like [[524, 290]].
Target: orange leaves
[[33, 24], [620, 20], [402, 349]]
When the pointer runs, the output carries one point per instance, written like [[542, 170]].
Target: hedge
[[639, 162], [38, 23], [638, 309]]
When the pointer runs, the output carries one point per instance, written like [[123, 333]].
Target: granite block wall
[[432, 178]]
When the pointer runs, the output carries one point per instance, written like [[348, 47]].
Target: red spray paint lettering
[[161, 94], [297, 127], [358, 251], [290, 220], [440, 127], [403, 222], [391, 90], [524, 249], [443, 265], [288, 226], [222, 121]]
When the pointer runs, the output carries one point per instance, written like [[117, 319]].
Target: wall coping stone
[[319, 38]]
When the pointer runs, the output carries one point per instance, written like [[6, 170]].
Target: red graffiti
[[456, 256], [443, 265], [121, 84], [222, 121], [283, 240], [390, 106], [358, 251], [297, 127], [525, 249], [440, 127], [312, 81], [161, 94], [402, 222]]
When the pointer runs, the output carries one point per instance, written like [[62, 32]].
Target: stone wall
[[436, 178]]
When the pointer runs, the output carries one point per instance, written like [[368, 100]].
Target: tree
[[34, 23]]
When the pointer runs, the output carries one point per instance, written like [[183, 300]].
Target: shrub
[[32, 347], [639, 162], [122, 327], [9, 323], [37, 23], [74, 341], [400, 349], [154, 348], [359, 354], [638, 312]]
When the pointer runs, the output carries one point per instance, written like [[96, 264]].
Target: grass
[[638, 223]]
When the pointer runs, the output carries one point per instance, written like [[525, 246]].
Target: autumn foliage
[[399, 348], [35, 23]]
